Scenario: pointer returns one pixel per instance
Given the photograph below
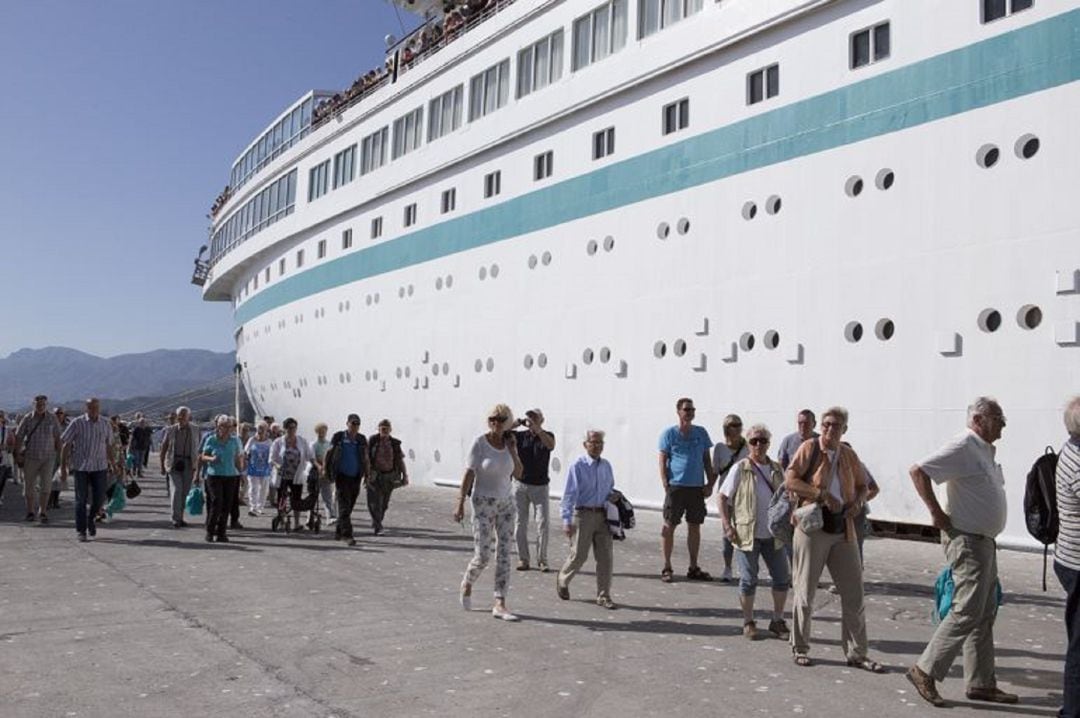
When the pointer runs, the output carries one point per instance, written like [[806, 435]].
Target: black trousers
[[1070, 581], [220, 493], [348, 490], [234, 511]]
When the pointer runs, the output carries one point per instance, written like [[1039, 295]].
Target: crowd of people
[[800, 513]]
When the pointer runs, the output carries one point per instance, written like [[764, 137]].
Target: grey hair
[[222, 419], [1072, 417], [594, 432], [182, 410], [836, 412], [760, 429], [982, 406]]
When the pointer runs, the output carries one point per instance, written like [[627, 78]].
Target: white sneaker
[[503, 614], [466, 599], [725, 577]]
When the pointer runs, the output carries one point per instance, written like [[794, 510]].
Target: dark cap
[[353, 419]]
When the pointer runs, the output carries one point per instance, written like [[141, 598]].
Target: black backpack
[[1040, 502]]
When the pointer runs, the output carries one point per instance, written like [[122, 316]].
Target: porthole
[[747, 341], [490, 364], [749, 211], [663, 230], [1029, 316], [987, 156], [446, 369], [587, 356], [348, 306], [348, 377], [885, 179], [479, 365], [438, 456], [532, 261], [854, 186], [368, 300], [528, 361], [679, 347], [410, 290], [605, 355], [398, 372], [853, 332], [772, 205], [541, 360], [376, 297], [989, 320], [609, 243], [494, 271], [449, 280], [341, 378], [341, 306], [683, 226], [591, 247], [771, 339], [438, 283], [367, 375], [1027, 147], [401, 292], [659, 350], [545, 258], [375, 374], [435, 369], [884, 329], [482, 273], [408, 372]]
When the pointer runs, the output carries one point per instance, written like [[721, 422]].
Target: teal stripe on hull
[[1018, 63]]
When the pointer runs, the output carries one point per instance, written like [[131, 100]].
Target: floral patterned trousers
[[492, 522]]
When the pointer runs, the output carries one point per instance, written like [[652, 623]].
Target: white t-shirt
[[834, 481], [974, 484], [761, 488], [493, 469]]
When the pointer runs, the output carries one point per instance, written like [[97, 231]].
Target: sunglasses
[[499, 419], [758, 440], [354, 423], [688, 408], [733, 426]]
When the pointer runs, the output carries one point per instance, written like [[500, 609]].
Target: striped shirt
[[1067, 479], [38, 434], [90, 442]]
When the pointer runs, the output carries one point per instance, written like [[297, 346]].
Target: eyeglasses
[[733, 426], [830, 425], [688, 409], [758, 440], [354, 423]]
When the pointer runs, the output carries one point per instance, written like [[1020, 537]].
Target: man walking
[[687, 476], [86, 447], [534, 445], [37, 444], [590, 484], [141, 438], [179, 460], [973, 517], [725, 455], [387, 464], [805, 422], [7, 461], [1067, 554], [347, 461]]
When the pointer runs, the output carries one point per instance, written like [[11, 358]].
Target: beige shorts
[[38, 474]]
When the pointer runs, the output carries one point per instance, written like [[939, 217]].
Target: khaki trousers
[[970, 624], [813, 552], [590, 529]]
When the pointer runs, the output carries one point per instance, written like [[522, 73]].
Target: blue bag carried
[[944, 591], [194, 501]]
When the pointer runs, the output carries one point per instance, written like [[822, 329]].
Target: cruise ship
[[597, 207]]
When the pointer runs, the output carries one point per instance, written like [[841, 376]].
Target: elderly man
[[347, 461], [805, 422], [87, 443], [687, 475], [37, 441], [973, 516], [1067, 553], [590, 484], [725, 455], [534, 445], [179, 460], [141, 438]]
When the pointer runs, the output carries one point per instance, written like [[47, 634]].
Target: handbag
[[133, 489], [809, 517], [20, 453]]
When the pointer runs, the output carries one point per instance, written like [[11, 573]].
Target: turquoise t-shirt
[[686, 455], [225, 452]]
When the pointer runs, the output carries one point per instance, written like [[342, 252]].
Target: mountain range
[[67, 375]]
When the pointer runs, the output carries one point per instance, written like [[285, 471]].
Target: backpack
[[1040, 503], [781, 505]]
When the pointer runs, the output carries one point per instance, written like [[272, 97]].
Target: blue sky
[[120, 121]]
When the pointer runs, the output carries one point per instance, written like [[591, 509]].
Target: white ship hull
[[946, 242]]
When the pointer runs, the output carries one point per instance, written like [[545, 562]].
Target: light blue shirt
[[225, 452], [589, 482], [685, 455]]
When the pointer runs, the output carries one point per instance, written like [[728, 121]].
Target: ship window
[[659, 349], [540, 64], [679, 347], [853, 332], [749, 211], [654, 15], [683, 225], [763, 84], [987, 156], [854, 186], [870, 45], [449, 200], [599, 33], [318, 183], [281, 266], [587, 356], [1027, 147], [771, 339], [663, 230], [410, 215], [489, 90], [885, 179], [408, 131], [884, 329], [541, 361], [989, 320], [266, 275], [772, 204], [528, 361], [1029, 316], [676, 116], [255, 281], [299, 258], [492, 184], [609, 243], [997, 9], [376, 228], [344, 167], [543, 165], [373, 151], [321, 249], [444, 113], [605, 355], [603, 143], [346, 239]]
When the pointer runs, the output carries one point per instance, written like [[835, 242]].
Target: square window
[[410, 215], [492, 184], [449, 200], [376, 228], [675, 117], [543, 165], [762, 84], [870, 45], [346, 239], [603, 143]]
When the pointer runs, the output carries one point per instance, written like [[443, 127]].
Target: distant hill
[[68, 375]]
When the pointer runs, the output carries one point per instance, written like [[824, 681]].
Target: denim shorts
[[776, 560]]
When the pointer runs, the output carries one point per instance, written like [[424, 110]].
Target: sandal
[[867, 665], [667, 575], [696, 574], [801, 659]]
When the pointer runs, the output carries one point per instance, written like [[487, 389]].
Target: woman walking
[[257, 451], [223, 458], [318, 482], [492, 464], [290, 454]]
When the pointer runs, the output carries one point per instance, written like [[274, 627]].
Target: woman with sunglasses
[[492, 465], [744, 499]]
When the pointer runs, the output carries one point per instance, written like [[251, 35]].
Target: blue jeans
[[92, 482], [1071, 693], [776, 561]]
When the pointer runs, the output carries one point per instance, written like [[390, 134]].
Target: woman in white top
[[492, 464], [290, 455]]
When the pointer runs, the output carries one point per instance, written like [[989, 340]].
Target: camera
[[521, 422]]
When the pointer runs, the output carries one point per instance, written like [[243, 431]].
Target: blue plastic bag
[[944, 590], [118, 500], [194, 501]]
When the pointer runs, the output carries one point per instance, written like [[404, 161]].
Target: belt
[[589, 508]]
